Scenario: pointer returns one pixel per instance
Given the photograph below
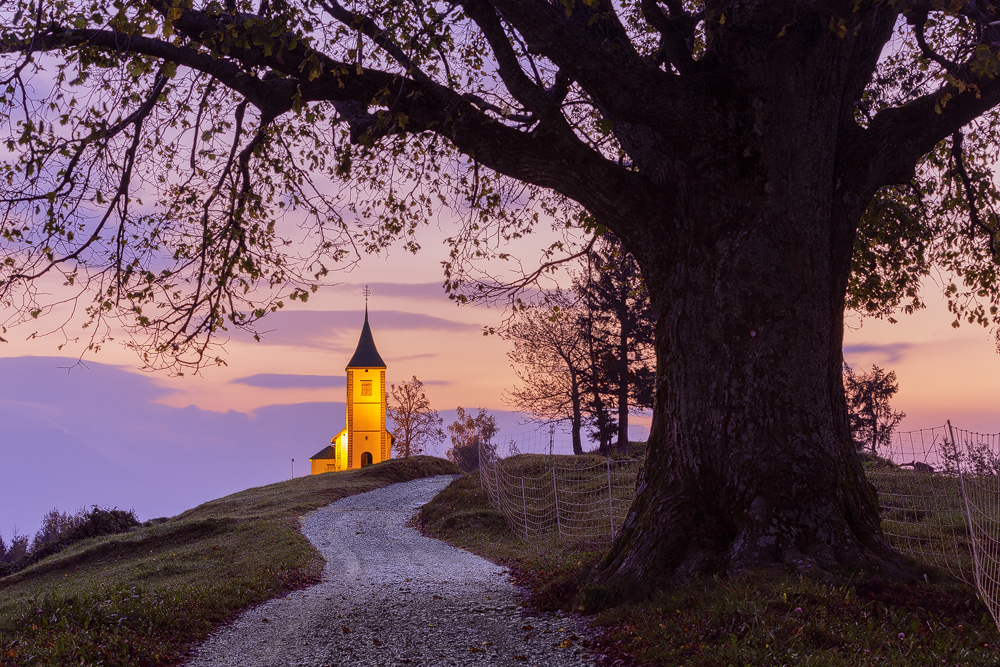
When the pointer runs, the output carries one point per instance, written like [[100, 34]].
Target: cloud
[[96, 435], [426, 291], [413, 357], [428, 383], [889, 353], [287, 381], [338, 330]]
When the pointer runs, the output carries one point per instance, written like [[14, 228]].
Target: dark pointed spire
[[366, 356]]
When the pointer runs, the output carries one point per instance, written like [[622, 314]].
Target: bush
[[468, 434], [59, 530]]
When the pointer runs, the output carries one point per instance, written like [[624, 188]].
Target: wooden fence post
[[555, 494], [611, 503]]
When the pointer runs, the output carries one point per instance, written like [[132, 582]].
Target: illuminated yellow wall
[[339, 443], [365, 431], [366, 416]]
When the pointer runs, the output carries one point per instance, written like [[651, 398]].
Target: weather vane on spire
[[367, 292]]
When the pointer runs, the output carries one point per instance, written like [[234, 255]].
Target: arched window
[[366, 459]]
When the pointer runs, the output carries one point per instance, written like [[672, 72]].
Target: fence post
[[611, 503], [555, 494], [524, 505], [968, 513], [482, 476], [496, 481]]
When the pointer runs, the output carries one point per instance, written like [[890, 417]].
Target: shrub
[[59, 530]]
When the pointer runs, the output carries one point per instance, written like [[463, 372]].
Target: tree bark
[[750, 458]]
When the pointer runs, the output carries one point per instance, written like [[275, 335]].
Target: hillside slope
[[143, 597]]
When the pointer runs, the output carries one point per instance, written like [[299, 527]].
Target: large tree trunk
[[750, 458]]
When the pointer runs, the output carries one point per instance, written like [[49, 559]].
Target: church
[[364, 440]]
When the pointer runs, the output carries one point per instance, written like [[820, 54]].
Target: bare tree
[[551, 361], [417, 426]]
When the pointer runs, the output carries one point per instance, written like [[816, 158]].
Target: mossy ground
[[766, 617], [143, 597]]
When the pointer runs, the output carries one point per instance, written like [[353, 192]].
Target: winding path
[[390, 596]]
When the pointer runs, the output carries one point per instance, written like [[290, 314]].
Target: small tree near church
[[470, 434], [417, 425]]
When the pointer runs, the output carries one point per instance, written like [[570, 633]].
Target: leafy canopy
[[189, 166]]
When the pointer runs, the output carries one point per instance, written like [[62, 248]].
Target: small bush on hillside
[[59, 530], [17, 548], [468, 434]]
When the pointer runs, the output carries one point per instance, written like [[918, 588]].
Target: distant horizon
[[191, 438]]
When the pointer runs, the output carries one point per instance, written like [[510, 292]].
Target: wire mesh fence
[[977, 456], [585, 497], [920, 497], [939, 495], [582, 497], [938, 490]]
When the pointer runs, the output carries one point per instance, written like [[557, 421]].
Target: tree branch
[[593, 48], [271, 97], [897, 138], [675, 30], [517, 82], [958, 155]]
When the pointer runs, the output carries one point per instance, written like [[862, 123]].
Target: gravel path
[[390, 596]]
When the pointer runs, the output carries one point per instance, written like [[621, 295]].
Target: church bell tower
[[364, 440]]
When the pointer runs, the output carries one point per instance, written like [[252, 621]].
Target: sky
[[74, 434]]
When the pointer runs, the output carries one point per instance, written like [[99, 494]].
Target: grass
[[585, 511], [143, 597], [923, 515], [770, 617]]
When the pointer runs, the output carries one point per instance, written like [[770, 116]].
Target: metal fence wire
[[582, 497], [938, 489]]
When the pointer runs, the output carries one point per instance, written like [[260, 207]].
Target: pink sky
[[162, 444], [943, 372]]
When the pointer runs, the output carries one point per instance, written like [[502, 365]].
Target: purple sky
[[105, 433]]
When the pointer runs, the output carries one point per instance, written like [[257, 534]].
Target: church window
[[366, 387]]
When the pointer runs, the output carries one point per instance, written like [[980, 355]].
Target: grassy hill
[[772, 617], [143, 597]]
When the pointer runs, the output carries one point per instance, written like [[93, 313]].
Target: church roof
[[366, 356], [328, 452]]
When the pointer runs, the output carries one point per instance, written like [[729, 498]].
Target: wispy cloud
[[288, 381], [427, 291], [889, 353], [338, 330], [429, 383], [413, 357]]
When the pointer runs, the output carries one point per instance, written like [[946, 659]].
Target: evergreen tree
[[872, 419], [620, 336]]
